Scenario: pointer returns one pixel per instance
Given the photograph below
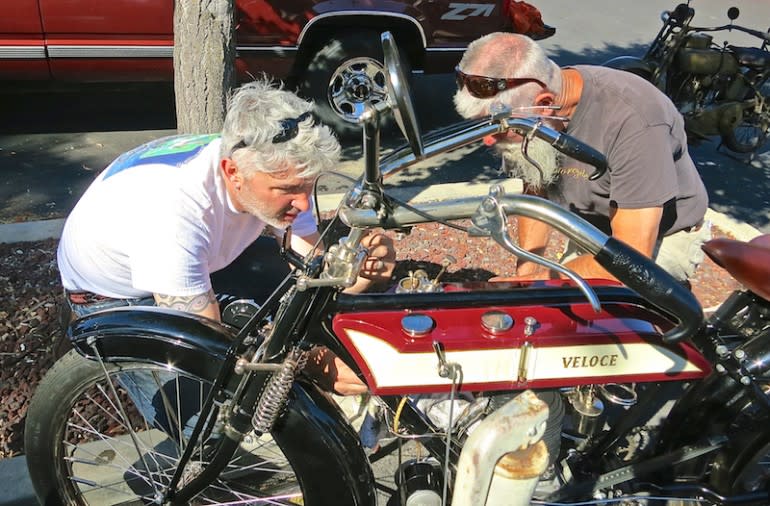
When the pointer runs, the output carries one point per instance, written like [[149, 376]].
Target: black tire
[[752, 131], [345, 72], [742, 466], [748, 467], [80, 451]]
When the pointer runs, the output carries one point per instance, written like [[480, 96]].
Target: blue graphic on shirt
[[174, 150]]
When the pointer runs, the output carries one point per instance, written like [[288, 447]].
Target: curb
[[17, 489], [741, 231], [31, 230]]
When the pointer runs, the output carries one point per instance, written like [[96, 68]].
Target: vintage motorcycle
[[720, 90], [574, 391]]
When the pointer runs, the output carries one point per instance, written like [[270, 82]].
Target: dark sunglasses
[[289, 130], [487, 87]]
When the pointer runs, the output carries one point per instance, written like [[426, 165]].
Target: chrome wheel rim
[[353, 84]]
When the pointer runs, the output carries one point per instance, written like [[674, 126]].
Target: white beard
[[516, 165], [468, 106]]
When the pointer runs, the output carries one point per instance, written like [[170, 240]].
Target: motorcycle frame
[[121, 335]]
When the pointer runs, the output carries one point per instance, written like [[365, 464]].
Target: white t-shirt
[[158, 220]]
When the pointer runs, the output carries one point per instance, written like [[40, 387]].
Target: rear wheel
[[752, 131], [88, 441], [742, 466], [754, 475]]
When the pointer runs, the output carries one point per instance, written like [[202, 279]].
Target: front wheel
[[751, 132], [113, 433]]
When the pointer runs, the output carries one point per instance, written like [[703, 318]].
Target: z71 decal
[[461, 11]]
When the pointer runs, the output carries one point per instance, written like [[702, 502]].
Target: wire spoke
[[110, 452]]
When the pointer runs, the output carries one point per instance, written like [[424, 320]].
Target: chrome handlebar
[[366, 206], [499, 123]]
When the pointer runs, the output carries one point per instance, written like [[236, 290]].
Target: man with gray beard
[[164, 221], [651, 196]]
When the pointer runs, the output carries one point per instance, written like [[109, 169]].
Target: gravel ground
[[30, 295]]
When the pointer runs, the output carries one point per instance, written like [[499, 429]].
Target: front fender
[[324, 450], [150, 334], [313, 433], [631, 64]]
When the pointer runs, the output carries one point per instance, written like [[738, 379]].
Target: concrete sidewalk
[[17, 488]]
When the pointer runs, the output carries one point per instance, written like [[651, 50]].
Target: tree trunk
[[204, 63]]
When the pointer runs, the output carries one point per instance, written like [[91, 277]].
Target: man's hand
[[333, 374], [378, 266]]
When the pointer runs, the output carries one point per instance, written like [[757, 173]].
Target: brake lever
[[490, 220]]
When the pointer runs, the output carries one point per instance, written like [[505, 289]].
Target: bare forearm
[[586, 267], [203, 304], [533, 237]]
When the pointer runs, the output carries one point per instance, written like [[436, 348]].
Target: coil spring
[[277, 391]]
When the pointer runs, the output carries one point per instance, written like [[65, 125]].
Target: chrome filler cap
[[496, 322]]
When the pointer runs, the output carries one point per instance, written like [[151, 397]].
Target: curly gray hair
[[506, 55], [254, 117]]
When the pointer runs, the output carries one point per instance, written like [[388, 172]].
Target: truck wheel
[[345, 74]]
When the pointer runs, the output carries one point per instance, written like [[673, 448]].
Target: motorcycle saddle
[[751, 56], [747, 262]]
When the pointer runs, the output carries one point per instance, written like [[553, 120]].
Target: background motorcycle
[[238, 422], [720, 90]]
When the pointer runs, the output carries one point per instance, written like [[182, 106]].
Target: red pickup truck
[[329, 49]]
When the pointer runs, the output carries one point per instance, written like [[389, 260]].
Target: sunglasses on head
[[289, 130], [487, 87]]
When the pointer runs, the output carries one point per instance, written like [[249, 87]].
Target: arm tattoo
[[197, 303]]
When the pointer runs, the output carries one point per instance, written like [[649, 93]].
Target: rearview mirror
[[399, 95]]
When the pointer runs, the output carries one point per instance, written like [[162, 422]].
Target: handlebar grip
[[582, 152], [641, 274]]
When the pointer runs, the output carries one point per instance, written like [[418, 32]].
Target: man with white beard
[[651, 197]]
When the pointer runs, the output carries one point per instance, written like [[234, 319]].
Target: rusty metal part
[[501, 461]]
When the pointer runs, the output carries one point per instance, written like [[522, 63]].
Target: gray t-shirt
[[642, 135]]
